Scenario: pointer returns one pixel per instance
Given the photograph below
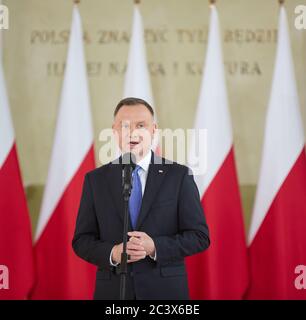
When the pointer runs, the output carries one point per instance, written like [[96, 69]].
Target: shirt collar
[[145, 162]]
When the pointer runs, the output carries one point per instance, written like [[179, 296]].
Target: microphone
[[128, 165]]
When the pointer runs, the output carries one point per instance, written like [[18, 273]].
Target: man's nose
[[134, 133]]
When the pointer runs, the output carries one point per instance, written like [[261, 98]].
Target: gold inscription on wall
[[180, 36]]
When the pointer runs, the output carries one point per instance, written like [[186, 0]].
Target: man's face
[[134, 128]]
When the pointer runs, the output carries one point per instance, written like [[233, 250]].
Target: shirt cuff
[[153, 257], [111, 261]]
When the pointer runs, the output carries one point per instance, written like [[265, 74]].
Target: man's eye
[[140, 126]]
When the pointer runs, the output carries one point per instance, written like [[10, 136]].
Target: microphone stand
[[127, 187]]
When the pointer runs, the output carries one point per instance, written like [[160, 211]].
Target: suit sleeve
[[86, 242], [193, 235]]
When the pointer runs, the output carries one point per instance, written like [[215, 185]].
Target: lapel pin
[[160, 171]]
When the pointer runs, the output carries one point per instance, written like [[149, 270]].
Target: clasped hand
[[138, 247]]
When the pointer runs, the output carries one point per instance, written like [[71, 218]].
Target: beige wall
[[176, 32]]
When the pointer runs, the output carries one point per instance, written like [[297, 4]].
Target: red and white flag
[[221, 271], [16, 251], [61, 274], [137, 78], [137, 81], [278, 229]]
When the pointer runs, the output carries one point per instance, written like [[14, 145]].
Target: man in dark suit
[[166, 222]]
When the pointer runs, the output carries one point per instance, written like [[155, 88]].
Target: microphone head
[[129, 159]]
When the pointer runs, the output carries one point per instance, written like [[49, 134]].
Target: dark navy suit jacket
[[171, 213]]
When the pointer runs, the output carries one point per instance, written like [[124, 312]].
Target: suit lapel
[[115, 183]]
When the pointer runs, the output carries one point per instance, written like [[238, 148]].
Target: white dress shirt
[[144, 163]]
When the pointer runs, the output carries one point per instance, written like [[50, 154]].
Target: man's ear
[[115, 133], [155, 127]]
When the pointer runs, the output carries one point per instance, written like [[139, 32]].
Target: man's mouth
[[134, 143]]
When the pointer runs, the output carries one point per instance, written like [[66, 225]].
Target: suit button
[[131, 274]]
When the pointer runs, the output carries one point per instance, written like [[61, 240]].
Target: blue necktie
[[136, 197]]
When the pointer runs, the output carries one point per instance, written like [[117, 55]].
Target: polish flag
[[137, 81], [16, 251], [277, 235], [61, 274], [221, 271]]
